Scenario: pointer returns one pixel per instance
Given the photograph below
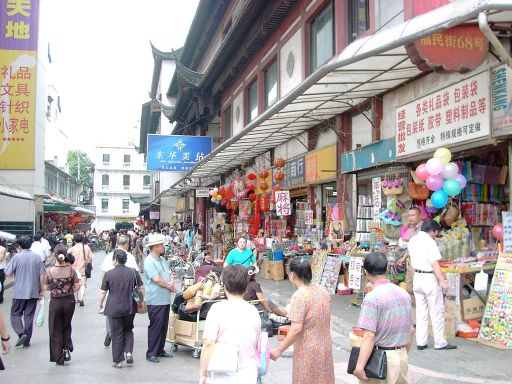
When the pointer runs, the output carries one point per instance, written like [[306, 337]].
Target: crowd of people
[[233, 326]]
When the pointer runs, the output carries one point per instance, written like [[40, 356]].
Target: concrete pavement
[[471, 363]]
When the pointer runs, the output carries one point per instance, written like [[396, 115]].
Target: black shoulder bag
[[88, 264], [376, 367]]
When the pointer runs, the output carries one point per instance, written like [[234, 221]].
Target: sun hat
[[155, 239]]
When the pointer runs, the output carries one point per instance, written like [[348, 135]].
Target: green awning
[[57, 205]]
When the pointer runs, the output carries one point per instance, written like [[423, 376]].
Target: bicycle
[[179, 267]]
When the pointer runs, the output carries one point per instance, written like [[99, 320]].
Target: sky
[[102, 63]]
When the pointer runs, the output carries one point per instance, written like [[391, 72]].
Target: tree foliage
[[81, 167]]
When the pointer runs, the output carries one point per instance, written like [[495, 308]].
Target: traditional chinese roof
[[158, 54], [167, 110], [187, 75], [149, 121]]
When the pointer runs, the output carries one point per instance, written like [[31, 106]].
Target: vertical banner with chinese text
[[283, 206], [18, 64]]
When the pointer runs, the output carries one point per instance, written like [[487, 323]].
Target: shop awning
[[141, 199], [85, 210], [368, 67], [54, 204], [16, 193]]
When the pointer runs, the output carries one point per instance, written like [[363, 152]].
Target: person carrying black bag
[[121, 306], [387, 322]]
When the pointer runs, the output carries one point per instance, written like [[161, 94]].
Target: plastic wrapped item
[[192, 290]]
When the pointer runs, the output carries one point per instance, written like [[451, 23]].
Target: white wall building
[[120, 173]]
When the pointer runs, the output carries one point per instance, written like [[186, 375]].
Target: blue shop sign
[[176, 153], [381, 152]]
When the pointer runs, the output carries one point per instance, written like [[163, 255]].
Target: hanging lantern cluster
[[279, 164]]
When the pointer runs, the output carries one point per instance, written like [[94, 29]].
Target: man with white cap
[[159, 284]]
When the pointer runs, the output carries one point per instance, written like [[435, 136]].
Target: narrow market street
[[91, 361]]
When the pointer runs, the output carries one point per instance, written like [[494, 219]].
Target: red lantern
[[279, 162], [251, 187], [263, 174], [252, 196], [251, 176], [264, 186], [279, 176]]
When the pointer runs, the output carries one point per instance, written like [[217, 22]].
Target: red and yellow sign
[[461, 48], [321, 164]]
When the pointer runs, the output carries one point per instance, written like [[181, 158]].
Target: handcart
[[188, 333]]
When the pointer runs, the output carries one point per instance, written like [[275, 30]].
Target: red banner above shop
[[458, 49]]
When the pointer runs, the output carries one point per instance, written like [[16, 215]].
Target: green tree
[[82, 169]]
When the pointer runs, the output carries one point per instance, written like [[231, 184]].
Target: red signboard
[[461, 48]]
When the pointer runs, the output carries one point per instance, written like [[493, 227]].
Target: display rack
[[364, 218]]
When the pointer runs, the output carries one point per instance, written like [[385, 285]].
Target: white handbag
[[224, 358]]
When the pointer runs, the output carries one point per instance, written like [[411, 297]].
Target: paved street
[[91, 362]]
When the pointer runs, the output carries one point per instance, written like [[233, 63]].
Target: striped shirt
[[387, 311]]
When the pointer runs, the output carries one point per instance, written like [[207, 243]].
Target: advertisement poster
[[176, 153], [308, 217], [355, 272], [18, 63], [455, 114]]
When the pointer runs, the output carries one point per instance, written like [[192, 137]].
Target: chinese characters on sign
[[458, 113], [355, 271], [18, 47], [460, 48], [308, 217], [377, 198], [176, 153], [507, 232], [294, 171], [283, 206], [203, 192]]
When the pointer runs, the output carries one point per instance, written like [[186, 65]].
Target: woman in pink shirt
[[236, 324]]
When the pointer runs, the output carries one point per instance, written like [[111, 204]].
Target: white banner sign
[[308, 217], [456, 114], [355, 272], [501, 78], [283, 206], [507, 231], [203, 192], [376, 197], [154, 215]]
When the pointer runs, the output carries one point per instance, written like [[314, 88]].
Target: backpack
[[263, 354]]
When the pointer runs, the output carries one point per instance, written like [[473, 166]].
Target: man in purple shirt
[[28, 271], [386, 320]]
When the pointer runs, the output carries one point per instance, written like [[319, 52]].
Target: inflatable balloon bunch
[[216, 198], [442, 177]]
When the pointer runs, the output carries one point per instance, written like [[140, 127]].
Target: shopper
[[386, 320], [310, 332], [254, 293], [406, 234], [39, 247], [218, 243], [159, 284], [62, 282], [83, 255], [69, 239], [310, 314], [6, 346], [3, 265], [233, 322], [240, 254], [28, 271], [108, 264], [428, 286], [121, 306]]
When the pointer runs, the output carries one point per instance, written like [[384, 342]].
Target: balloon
[[443, 154], [215, 189], [213, 200], [421, 172], [217, 202], [497, 231], [434, 182], [219, 197], [210, 192], [439, 199], [461, 179], [451, 187], [434, 166], [450, 171], [214, 195]]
